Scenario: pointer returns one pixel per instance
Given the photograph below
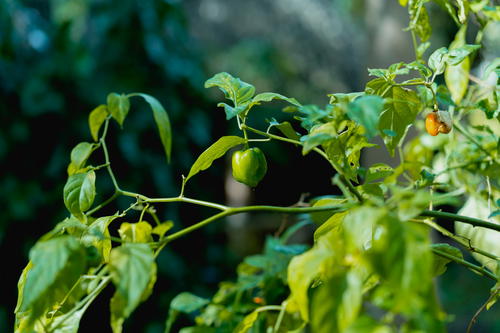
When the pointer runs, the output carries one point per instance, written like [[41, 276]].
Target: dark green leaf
[[96, 119], [79, 193], [162, 123], [118, 106], [366, 111], [132, 269], [215, 151]]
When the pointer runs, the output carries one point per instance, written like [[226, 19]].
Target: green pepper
[[249, 166]]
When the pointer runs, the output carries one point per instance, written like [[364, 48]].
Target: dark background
[[59, 59]]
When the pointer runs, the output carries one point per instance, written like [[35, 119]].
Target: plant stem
[[472, 139], [450, 217], [236, 210], [106, 155], [467, 264], [481, 309]]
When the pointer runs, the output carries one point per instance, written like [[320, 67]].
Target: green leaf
[[162, 123], [96, 119], [56, 266], [419, 19], [336, 303], [79, 193], [334, 222], [400, 112], [457, 54], [377, 171], [98, 235], [269, 96], [188, 303], [313, 140], [366, 111], [247, 323], [233, 88], [80, 154], [118, 106], [132, 269], [233, 111], [437, 60], [286, 128], [163, 228], [139, 232], [215, 151], [441, 262], [457, 75], [67, 323]]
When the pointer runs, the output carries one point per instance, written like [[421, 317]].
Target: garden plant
[[372, 266]]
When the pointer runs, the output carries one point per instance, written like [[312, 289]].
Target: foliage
[[372, 264]]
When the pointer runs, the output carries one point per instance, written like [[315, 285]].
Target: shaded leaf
[[162, 123], [269, 96], [441, 262], [79, 193], [132, 267], [56, 265], [365, 111], [98, 235]]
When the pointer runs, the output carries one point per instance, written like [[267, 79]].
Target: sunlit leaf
[[139, 232], [96, 119], [162, 228], [457, 76], [437, 60], [215, 151], [97, 235], [118, 106]]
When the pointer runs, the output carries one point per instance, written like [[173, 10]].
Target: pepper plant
[[372, 265]]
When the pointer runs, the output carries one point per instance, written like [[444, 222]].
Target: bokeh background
[[60, 58]]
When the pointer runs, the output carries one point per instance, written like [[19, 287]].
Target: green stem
[[109, 200], [467, 264], [465, 242], [236, 210], [337, 168], [106, 155], [450, 217]]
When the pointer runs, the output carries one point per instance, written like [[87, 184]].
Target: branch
[[450, 217], [236, 210], [471, 266]]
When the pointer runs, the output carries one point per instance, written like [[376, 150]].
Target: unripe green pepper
[[249, 166]]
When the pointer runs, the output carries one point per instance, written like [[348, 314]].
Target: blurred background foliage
[[60, 58]]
